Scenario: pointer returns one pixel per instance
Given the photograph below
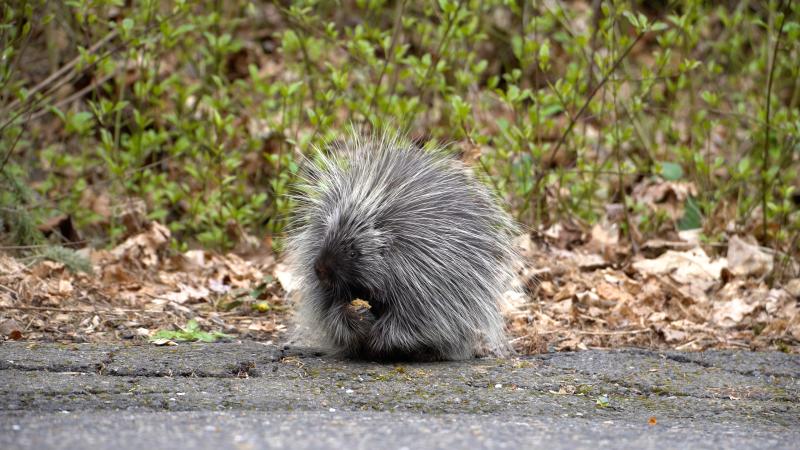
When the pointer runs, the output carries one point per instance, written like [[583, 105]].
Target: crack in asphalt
[[242, 369], [102, 364], [683, 359]]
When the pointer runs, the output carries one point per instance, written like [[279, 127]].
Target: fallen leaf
[[667, 196], [793, 288], [748, 259], [10, 266], [143, 249], [602, 401], [732, 312], [673, 335], [693, 271], [11, 329], [684, 267], [284, 276], [64, 287]]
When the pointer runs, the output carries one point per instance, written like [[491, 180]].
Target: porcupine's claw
[[360, 322]]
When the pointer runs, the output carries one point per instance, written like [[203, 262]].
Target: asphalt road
[[247, 395]]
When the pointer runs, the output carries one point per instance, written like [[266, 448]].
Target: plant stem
[[765, 159]]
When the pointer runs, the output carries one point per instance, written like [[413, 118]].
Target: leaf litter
[[589, 288], [142, 289], [583, 287]]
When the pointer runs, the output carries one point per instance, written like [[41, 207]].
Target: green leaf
[[671, 171], [191, 326], [692, 218], [631, 18], [190, 332], [127, 24], [552, 110], [544, 55], [80, 122], [659, 26]]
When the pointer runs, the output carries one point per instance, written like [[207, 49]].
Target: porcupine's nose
[[324, 268]]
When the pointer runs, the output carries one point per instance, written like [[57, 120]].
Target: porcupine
[[412, 233]]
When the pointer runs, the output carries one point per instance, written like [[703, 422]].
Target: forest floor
[[581, 290], [250, 395]]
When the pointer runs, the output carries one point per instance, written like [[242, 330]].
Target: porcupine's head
[[338, 241], [347, 262]]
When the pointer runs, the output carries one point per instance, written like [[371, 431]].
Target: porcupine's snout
[[325, 269], [336, 269]]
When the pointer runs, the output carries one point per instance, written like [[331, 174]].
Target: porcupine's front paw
[[360, 319], [357, 320], [360, 310]]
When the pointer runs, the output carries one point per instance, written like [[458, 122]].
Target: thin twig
[[11, 148], [612, 333], [65, 68], [582, 333], [765, 162], [73, 310], [451, 20], [390, 56], [36, 103], [574, 120], [14, 293], [74, 96]]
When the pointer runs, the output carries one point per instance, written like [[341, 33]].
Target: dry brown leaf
[[590, 262], [564, 235], [669, 196], [64, 287], [10, 266], [116, 274], [142, 250], [47, 269], [193, 259], [748, 259], [731, 313], [793, 288], [563, 307], [186, 292], [693, 271], [100, 204], [133, 215], [10, 329], [673, 335], [604, 240]]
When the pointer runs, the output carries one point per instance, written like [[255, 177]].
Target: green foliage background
[[203, 109]]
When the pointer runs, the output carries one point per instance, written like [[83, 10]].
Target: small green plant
[[191, 332], [206, 112], [70, 258]]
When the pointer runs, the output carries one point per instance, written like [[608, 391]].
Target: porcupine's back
[[439, 249]]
